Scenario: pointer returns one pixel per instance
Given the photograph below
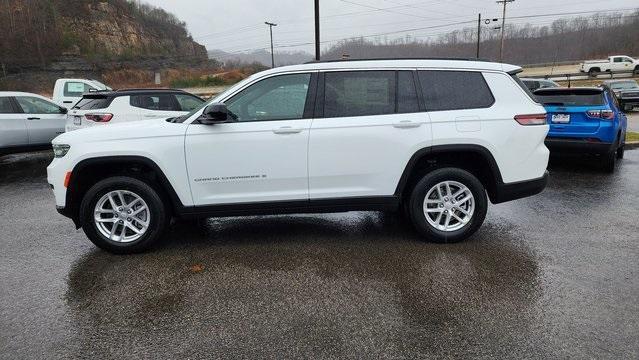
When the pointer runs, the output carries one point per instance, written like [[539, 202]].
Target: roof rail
[[402, 58]]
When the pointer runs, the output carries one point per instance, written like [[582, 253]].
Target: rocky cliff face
[[40, 33], [113, 33]]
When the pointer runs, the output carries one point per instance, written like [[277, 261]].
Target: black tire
[[430, 180], [609, 162], [621, 151], [157, 221], [593, 72], [637, 70]]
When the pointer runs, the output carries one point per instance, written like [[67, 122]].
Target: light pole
[[487, 22], [270, 28], [503, 28], [317, 31]]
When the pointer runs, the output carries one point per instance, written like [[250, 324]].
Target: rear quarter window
[[6, 107], [454, 90]]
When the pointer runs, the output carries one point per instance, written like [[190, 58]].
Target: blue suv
[[585, 120]]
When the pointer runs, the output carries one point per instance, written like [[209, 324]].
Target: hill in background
[[36, 33], [262, 57]]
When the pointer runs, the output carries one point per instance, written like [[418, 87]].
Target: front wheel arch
[[90, 171]]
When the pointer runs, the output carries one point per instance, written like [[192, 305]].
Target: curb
[[632, 145]]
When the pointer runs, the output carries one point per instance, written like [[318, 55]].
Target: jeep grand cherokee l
[[435, 138]]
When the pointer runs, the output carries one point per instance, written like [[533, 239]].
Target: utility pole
[[478, 34], [317, 31], [270, 28], [503, 28]]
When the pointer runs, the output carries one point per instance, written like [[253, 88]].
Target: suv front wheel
[[448, 205], [123, 215]]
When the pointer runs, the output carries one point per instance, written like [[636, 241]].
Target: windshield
[[624, 85], [100, 85], [571, 99]]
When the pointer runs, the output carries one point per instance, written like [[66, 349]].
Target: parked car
[[28, 122], [627, 92], [432, 139], [67, 92], [613, 63], [108, 107], [585, 120], [534, 84]]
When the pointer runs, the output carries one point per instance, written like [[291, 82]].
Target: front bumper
[[581, 146], [520, 189]]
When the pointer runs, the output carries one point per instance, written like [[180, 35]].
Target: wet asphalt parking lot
[[552, 276]]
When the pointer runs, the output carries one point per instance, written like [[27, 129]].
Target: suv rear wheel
[[123, 215], [448, 205]]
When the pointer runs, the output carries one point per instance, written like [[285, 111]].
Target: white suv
[[108, 107], [435, 138]]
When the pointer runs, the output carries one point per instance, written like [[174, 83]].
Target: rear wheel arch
[[475, 159], [90, 171]]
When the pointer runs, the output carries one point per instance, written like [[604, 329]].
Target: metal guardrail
[[585, 76]]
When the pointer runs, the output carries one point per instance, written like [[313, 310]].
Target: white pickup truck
[[67, 92], [614, 63]]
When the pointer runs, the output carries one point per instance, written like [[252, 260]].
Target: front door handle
[[67, 102], [406, 124], [287, 130], [33, 118]]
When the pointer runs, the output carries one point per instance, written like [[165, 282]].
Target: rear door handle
[[287, 130], [406, 124], [33, 118]]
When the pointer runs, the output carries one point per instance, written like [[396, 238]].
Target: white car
[[28, 122], [108, 107], [67, 92], [436, 138]]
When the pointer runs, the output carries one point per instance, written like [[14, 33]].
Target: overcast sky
[[238, 25]]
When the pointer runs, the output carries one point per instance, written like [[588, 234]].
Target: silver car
[[28, 122]]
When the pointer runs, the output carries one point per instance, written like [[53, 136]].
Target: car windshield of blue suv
[[571, 98]]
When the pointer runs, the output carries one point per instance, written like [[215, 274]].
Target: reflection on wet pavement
[[549, 276]]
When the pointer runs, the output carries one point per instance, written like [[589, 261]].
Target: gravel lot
[[553, 276]]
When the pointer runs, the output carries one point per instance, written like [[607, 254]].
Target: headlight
[[60, 150]]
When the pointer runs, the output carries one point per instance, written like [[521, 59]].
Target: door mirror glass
[[216, 114]]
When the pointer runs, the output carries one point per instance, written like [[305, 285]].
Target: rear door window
[[6, 106], [454, 90], [359, 93], [407, 101], [160, 102]]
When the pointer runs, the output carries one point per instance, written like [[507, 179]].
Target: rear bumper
[[518, 190], [631, 101], [565, 145]]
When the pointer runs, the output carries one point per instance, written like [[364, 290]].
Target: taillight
[[531, 119], [99, 117], [601, 114], [607, 114]]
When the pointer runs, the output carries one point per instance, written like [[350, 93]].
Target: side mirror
[[63, 110], [215, 114]]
